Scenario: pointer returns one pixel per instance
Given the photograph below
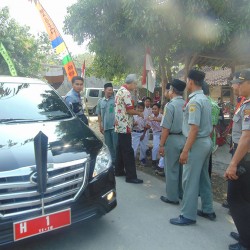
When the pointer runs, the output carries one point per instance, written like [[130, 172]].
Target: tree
[[27, 52], [119, 30]]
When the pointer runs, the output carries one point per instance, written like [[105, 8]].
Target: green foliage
[[119, 30], [27, 52]]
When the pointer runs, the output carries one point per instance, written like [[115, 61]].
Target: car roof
[[17, 79]]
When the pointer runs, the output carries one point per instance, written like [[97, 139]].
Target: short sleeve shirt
[[74, 101], [123, 101], [106, 109], [173, 115], [198, 112], [241, 121], [141, 123], [155, 125], [215, 111]]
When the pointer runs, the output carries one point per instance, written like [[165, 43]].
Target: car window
[[35, 102], [94, 93], [102, 93]]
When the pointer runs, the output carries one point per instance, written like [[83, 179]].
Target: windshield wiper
[[13, 120]]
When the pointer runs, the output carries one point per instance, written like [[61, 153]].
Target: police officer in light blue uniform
[[197, 126], [73, 98], [106, 119], [172, 142], [238, 171]]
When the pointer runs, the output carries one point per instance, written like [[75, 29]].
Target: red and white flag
[[148, 74], [83, 70]]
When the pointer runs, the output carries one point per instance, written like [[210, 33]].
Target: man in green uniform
[[238, 171], [215, 119], [106, 119], [172, 142], [197, 126]]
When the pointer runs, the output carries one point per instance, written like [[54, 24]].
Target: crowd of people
[[182, 145]]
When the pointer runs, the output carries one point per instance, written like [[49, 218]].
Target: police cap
[[178, 84]]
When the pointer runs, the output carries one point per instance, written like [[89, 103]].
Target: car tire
[[94, 110]]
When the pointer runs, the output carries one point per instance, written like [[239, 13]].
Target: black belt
[[175, 133], [138, 131]]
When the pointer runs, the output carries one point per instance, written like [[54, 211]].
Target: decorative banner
[[148, 74], [57, 42], [6, 57]]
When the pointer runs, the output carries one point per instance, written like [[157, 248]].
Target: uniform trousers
[[156, 142], [136, 142], [125, 158], [161, 162], [238, 197], [195, 179], [173, 169], [110, 139]]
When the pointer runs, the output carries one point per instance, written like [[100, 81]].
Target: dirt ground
[[219, 184]]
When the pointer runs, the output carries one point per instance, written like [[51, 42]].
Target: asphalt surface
[[139, 222]]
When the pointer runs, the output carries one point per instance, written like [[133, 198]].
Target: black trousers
[[238, 198], [84, 118], [210, 166], [125, 156]]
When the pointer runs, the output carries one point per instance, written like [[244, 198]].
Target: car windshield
[[23, 102]]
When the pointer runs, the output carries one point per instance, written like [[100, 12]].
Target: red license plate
[[41, 224]]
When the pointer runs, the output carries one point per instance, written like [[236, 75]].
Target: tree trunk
[[162, 63]]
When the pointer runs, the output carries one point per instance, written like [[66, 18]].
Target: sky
[[25, 13]]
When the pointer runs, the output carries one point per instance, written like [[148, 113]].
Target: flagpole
[[85, 85], [147, 81]]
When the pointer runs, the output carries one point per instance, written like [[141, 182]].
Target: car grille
[[18, 188]]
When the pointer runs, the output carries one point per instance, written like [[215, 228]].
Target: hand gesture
[[161, 151], [141, 114], [231, 172], [183, 158], [101, 129]]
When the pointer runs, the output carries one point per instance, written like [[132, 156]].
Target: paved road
[[140, 222]]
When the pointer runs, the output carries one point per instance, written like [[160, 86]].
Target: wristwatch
[[161, 145]]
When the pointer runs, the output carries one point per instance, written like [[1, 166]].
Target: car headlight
[[103, 161]]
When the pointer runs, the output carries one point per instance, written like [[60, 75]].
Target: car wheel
[[93, 111]]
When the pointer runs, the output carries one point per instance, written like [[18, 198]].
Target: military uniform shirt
[[106, 109], [173, 115], [198, 112], [241, 121]]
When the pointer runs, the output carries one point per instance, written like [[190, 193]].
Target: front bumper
[[94, 201]]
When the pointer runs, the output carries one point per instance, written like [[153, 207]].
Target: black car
[[54, 171]]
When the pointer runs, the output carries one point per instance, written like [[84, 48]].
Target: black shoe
[[135, 181], [236, 246], [235, 236], [120, 174], [225, 204], [159, 171], [182, 221], [165, 199], [210, 216]]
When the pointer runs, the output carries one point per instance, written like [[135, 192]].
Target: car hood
[[68, 140]]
